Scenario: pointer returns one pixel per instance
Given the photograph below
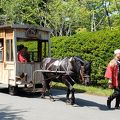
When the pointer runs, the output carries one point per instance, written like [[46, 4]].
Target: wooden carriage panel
[[21, 33], [29, 68], [9, 34], [9, 71], [9, 77], [24, 68], [10, 67], [2, 33], [5, 77], [1, 71], [26, 33]]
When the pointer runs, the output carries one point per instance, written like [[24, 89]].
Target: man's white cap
[[117, 51]]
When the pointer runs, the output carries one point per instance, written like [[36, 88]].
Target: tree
[[65, 17], [2, 15], [22, 11]]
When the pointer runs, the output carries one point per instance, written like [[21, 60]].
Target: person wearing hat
[[113, 75]]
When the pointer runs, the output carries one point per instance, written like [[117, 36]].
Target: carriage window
[[45, 49], [9, 50], [38, 49], [1, 55], [1, 50]]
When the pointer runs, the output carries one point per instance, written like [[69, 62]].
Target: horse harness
[[58, 63]]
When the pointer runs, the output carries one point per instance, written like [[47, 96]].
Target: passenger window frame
[[9, 50]]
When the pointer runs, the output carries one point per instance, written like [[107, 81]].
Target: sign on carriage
[[33, 33]]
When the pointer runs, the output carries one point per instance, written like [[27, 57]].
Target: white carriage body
[[10, 68]]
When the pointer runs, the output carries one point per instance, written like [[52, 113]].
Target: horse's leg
[[73, 96], [68, 93], [70, 90]]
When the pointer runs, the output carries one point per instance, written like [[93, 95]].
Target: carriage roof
[[24, 26], [25, 31]]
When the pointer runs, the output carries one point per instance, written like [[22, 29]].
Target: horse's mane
[[80, 59]]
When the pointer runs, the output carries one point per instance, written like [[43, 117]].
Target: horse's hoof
[[72, 102]]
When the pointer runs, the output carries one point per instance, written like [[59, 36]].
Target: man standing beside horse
[[113, 74]]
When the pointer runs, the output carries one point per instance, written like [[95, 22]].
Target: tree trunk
[[107, 14], [61, 29], [68, 32], [93, 25]]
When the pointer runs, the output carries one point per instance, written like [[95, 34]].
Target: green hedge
[[97, 47]]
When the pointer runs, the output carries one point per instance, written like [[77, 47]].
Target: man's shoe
[[117, 104], [109, 104]]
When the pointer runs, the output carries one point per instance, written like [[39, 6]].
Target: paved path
[[31, 107]]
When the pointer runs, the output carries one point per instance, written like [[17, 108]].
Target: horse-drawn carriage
[[31, 74], [14, 73]]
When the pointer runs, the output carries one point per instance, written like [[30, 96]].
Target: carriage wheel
[[12, 90]]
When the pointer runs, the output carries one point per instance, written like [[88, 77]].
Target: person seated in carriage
[[23, 54]]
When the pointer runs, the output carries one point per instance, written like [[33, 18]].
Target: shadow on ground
[[60, 95], [79, 101], [21, 93], [82, 103], [8, 114]]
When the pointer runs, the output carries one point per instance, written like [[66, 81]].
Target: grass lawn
[[85, 89]]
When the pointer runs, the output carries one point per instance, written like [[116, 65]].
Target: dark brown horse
[[67, 71]]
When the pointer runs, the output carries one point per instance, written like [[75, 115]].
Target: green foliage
[[103, 83], [65, 17], [22, 11], [97, 47]]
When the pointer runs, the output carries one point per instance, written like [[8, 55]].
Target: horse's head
[[84, 69], [75, 65]]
